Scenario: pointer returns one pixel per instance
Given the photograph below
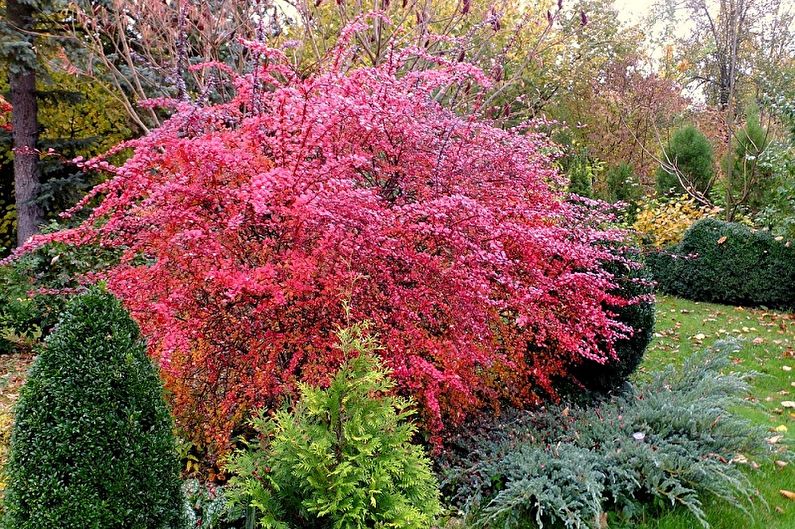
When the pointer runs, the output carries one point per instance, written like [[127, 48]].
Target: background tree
[[621, 184], [146, 49], [687, 164], [17, 49], [66, 113], [751, 180], [629, 111]]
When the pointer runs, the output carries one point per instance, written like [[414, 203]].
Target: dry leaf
[[780, 428], [722, 240], [757, 341], [775, 439], [780, 463], [788, 403], [788, 494], [786, 368]]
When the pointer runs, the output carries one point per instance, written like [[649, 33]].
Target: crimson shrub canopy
[[253, 229]]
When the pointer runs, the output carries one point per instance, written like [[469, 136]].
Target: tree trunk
[[24, 123]]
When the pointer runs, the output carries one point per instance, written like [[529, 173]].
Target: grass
[[769, 349]]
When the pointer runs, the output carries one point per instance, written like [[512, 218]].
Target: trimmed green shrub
[[690, 151], [634, 282], [728, 263], [92, 445], [342, 458], [673, 441]]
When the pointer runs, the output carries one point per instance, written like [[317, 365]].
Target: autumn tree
[[630, 111], [735, 48]]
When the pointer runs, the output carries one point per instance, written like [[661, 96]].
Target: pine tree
[[689, 157], [18, 48]]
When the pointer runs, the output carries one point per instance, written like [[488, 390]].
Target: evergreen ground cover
[[684, 327]]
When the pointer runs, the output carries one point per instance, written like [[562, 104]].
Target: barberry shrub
[[92, 445], [245, 226], [342, 457]]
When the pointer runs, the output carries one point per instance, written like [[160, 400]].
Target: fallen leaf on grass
[[780, 463], [699, 336], [786, 368], [780, 428], [788, 403], [788, 494], [757, 341], [775, 439]]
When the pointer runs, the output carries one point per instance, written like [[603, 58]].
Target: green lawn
[[768, 348]]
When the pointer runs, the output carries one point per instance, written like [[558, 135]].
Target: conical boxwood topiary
[[92, 445]]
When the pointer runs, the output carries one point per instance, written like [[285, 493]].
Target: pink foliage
[[255, 228]]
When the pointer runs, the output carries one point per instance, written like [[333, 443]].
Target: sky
[[631, 11]]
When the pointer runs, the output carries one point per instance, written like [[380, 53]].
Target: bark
[[24, 122]]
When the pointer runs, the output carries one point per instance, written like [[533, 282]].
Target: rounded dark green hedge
[[729, 263], [92, 445], [634, 282]]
